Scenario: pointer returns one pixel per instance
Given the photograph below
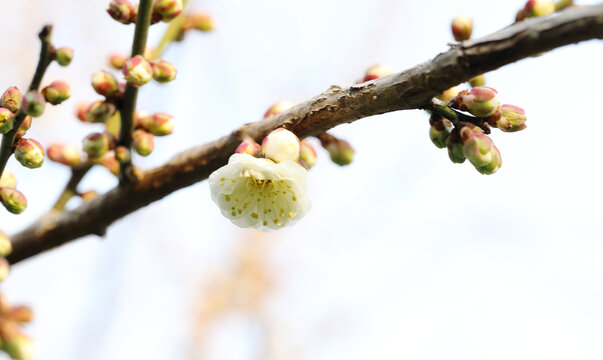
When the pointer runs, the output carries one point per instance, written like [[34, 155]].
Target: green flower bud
[[95, 145], [19, 347], [64, 56], [104, 84], [478, 80], [163, 71], [479, 149], [462, 27], [143, 142], [29, 153], [100, 111], [8, 179], [494, 164], [6, 247], [439, 130], [122, 11], [535, 8], [481, 101], [13, 200], [57, 92], [158, 124], [11, 99], [137, 71], [200, 21], [167, 9], [509, 118], [454, 143], [249, 147], [4, 269], [7, 120], [33, 103], [307, 154], [378, 71]]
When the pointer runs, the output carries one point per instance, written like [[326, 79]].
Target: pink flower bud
[[249, 147], [378, 71], [122, 11], [534, 8], [63, 56], [117, 61], [29, 153], [68, 155], [143, 142], [137, 71], [8, 179], [163, 71], [158, 124], [104, 84], [167, 9], [100, 111], [141, 117], [109, 162], [509, 118], [33, 103], [462, 27], [7, 121], [481, 101], [281, 145], [480, 150], [95, 145], [439, 130], [26, 124], [278, 108], [494, 164], [57, 92], [11, 99], [6, 247], [13, 200], [200, 21], [307, 154], [478, 80]]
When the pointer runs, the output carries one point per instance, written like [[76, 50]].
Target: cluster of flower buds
[[535, 8], [14, 342], [138, 71], [125, 12], [468, 141]]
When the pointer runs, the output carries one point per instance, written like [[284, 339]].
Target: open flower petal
[[256, 193]]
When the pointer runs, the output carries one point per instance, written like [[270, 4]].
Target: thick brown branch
[[411, 89]]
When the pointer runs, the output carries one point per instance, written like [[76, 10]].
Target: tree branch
[[411, 89]]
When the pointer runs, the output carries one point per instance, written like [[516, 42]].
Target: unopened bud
[[95, 145], [462, 27], [123, 154], [7, 120], [477, 147], [122, 11], [143, 142], [249, 147], [449, 94], [19, 347], [100, 111], [68, 155], [21, 313], [439, 130], [64, 55], [6, 247], [167, 9], [117, 61], [33, 103], [341, 151], [26, 124], [163, 71], [494, 164], [481, 101], [278, 108], [281, 145], [4, 269], [8, 179], [104, 84], [478, 80], [29, 153], [509, 118], [535, 8], [307, 154], [11, 99], [159, 124], [80, 111], [149, 53], [454, 143], [110, 163], [141, 118], [57, 92], [378, 71], [137, 71], [200, 21], [13, 200]]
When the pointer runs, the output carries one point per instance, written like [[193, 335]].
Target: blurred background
[[404, 254]]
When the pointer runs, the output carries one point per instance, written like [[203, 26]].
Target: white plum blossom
[[281, 145], [257, 193]]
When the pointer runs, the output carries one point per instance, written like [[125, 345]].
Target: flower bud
[[122, 11], [534, 8], [281, 145], [64, 55], [494, 164], [110, 163], [137, 71], [149, 53], [478, 80], [143, 142], [21, 313], [117, 61], [449, 94], [95, 145], [33, 103], [29, 153], [278, 108], [158, 124], [141, 118], [439, 130], [454, 143], [341, 152], [462, 27], [249, 147], [123, 154], [13, 200], [68, 155], [509, 118], [57, 92], [477, 146], [481, 101], [6, 247], [104, 84], [19, 347], [100, 111], [7, 120], [167, 9], [8, 179], [307, 154], [200, 21], [163, 71], [4, 268], [11, 99], [378, 71]]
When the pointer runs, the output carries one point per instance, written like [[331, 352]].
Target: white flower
[[256, 193], [281, 145]]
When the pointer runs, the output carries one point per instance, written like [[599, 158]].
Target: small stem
[[77, 174], [441, 108], [46, 55], [128, 105], [171, 33]]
